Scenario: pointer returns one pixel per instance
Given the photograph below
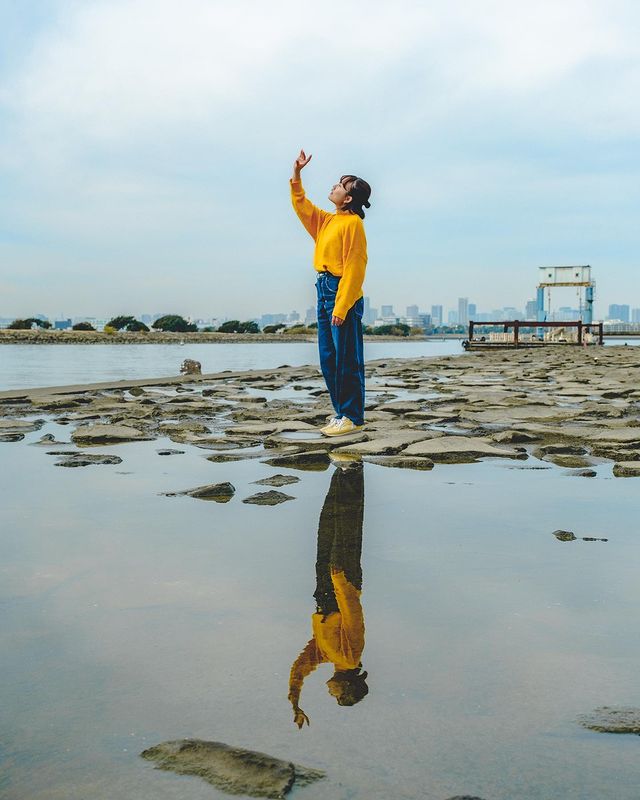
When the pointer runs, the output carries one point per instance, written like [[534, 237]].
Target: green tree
[[249, 326], [127, 324], [230, 326], [174, 323], [398, 329], [28, 323], [274, 328], [83, 326]]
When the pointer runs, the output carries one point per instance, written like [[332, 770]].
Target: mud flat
[[575, 408]]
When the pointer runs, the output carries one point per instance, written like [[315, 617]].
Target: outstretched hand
[[299, 717], [300, 163]]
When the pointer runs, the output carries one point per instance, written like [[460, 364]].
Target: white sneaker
[[341, 427], [331, 423]]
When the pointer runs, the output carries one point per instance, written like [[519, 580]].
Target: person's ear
[[348, 199]]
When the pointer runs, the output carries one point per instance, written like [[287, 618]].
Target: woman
[[340, 258]]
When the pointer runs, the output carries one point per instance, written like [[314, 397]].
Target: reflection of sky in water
[[131, 618]]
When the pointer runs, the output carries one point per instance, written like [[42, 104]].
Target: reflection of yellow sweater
[[341, 246], [337, 637]]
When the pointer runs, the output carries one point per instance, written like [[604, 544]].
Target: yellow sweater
[[341, 246], [337, 638]]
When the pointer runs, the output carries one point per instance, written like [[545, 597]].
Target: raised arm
[[311, 216]]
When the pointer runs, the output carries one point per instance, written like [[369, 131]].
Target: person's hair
[[354, 686], [360, 192]]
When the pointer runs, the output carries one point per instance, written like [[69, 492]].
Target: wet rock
[[271, 498], [11, 437], [570, 462], [313, 461], [85, 459], [231, 769], [107, 434], [226, 458], [218, 492], [136, 391], [612, 720], [584, 473], [170, 452], [562, 449], [593, 539], [278, 480], [246, 398], [401, 462], [48, 439], [627, 469], [514, 437], [388, 444], [464, 797], [269, 428], [20, 425], [459, 450], [181, 428], [565, 536]]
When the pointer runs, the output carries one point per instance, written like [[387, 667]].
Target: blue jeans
[[341, 351]]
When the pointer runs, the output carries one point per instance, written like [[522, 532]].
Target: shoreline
[[9, 337]]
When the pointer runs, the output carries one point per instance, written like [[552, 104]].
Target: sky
[[146, 147]]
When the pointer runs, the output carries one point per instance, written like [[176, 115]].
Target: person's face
[[339, 194], [335, 687]]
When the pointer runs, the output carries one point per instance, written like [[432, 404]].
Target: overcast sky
[[146, 146]]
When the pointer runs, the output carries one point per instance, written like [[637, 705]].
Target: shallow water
[[26, 365], [131, 618]]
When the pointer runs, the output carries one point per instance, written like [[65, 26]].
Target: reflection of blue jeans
[[341, 351]]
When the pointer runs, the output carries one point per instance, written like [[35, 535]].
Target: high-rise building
[[436, 315], [452, 317], [635, 315], [531, 311], [310, 316], [618, 312], [386, 311], [473, 311], [412, 311], [463, 311]]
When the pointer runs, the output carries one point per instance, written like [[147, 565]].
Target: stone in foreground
[[85, 459], [401, 462], [612, 720], [218, 492], [627, 469], [565, 536], [231, 769], [314, 460], [459, 450], [278, 480], [107, 434], [271, 498]]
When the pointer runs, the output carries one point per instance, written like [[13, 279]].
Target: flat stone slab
[[107, 434], [268, 428], [218, 492], [233, 770], [85, 460], [612, 720], [313, 460], [459, 449], [389, 444], [627, 469], [278, 480], [401, 462], [271, 498], [168, 451], [11, 437], [20, 425]]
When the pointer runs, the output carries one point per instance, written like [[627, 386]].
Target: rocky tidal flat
[[574, 408]]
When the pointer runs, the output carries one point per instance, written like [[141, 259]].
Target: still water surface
[[131, 618]]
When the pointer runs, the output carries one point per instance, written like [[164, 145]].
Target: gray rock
[[401, 462], [231, 769], [271, 498], [20, 425], [627, 469], [218, 492], [170, 452], [85, 459], [565, 536], [312, 461], [11, 437], [514, 437], [48, 439], [387, 444], [459, 450], [107, 434], [584, 473], [612, 720], [278, 480]]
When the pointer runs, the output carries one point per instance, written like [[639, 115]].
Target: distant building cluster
[[620, 317]]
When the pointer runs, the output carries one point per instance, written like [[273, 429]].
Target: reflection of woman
[[338, 624]]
